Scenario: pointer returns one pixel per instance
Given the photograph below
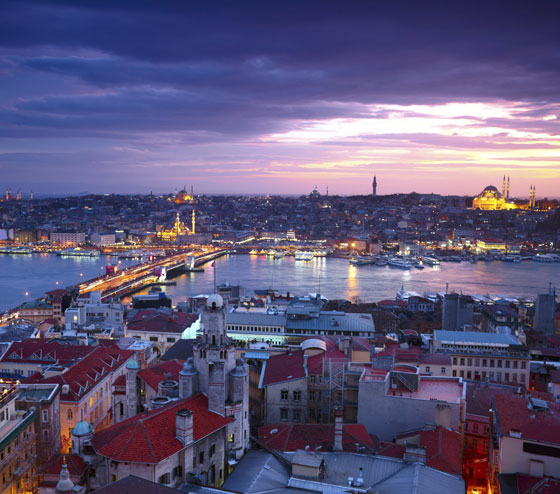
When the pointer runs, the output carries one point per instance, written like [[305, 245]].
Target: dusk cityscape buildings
[[269, 247]]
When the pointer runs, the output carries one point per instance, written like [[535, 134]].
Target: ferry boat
[[133, 254], [361, 260], [16, 250], [430, 261], [78, 253], [510, 258], [304, 256], [399, 263]]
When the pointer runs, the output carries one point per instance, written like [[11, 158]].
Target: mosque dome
[[82, 428], [490, 191], [188, 369], [215, 301]]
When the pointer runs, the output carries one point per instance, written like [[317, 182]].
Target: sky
[[278, 97]]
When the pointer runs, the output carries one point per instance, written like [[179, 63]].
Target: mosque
[[490, 198], [183, 197], [179, 229]]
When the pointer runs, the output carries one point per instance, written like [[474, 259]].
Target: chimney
[[338, 429], [414, 453], [184, 426]]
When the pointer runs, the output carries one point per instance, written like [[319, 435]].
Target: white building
[[101, 239]]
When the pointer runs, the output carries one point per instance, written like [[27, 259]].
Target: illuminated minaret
[[18, 196], [374, 184], [31, 195], [534, 195], [508, 189], [504, 187], [193, 223], [7, 194]]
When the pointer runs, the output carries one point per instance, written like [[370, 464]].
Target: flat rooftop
[[374, 374], [474, 337], [449, 390]]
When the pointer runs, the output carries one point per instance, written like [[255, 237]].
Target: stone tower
[[215, 372], [132, 369]]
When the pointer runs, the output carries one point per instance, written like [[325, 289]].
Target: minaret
[[508, 189], [193, 229], [531, 197], [31, 196], [374, 184], [18, 196], [534, 195], [504, 187]]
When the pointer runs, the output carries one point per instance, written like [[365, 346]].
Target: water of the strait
[[333, 277]]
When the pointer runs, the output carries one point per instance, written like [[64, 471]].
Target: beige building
[[18, 453]]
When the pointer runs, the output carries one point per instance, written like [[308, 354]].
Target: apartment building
[[484, 356]]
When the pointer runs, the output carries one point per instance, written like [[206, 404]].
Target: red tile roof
[[153, 375], [284, 367], [514, 413], [152, 320], [479, 397], [149, 437], [537, 485], [76, 465], [436, 359], [84, 375], [443, 448], [39, 351], [291, 437]]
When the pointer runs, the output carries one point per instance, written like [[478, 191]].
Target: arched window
[[70, 414], [214, 340]]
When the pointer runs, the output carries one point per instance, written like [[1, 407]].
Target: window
[[427, 368], [507, 376], [469, 361], [469, 375], [507, 364], [499, 362], [499, 376], [296, 415], [477, 362], [284, 414], [284, 395], [121, 409], [231, 438], [443, 370], [522, 377], [462, 361], [170, 340], [454, 373], [311, 395], [201, 457], [523, 365], [45, 415], [70, 414], [462, 373], [515, 364], [297, 395], [514, 377], [312, 379], [484, 362], [212, 450], [165, 478], [475, 427], [45, 435], [491, 362], [177, 471], [454, 360], [153, 338]]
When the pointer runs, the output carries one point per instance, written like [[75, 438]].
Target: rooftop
[[40, 351], [153, 375], [474, 337], [149, 437], [152, 320], [291, 437], [136, 485], [433, 388]]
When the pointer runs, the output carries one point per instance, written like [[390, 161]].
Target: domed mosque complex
[[490, 199], [183, 197]]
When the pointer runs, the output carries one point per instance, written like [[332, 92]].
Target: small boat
[[78, 253], [280, 254], [395, 262], [381, 262], [430, 261]]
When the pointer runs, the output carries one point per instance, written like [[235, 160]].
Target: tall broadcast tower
[[374, 185]]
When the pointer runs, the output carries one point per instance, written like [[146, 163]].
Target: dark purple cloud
[[131, 72]]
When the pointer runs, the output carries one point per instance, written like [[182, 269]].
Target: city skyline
[[272, 98]]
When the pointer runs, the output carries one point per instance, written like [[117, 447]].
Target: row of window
[[498, 376], [478, 362], [296, 414], [256, 329], [284, 395]]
